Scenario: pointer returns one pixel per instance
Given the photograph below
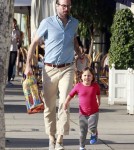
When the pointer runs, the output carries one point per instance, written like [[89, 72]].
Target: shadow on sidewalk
[[22, 108], [41, 143], [13, 93], [12, 108], [14, 90], [15, 108], [34, 143], [26, 143]]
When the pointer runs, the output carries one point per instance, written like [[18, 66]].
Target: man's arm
[[30, 53], [77, 48]]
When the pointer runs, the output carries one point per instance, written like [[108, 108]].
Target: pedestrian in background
[[88, 92], [19, 44], [13, 50], [60, 41]]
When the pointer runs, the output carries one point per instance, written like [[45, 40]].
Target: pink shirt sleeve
[[74, 91]]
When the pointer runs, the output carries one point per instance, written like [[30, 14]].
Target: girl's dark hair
[[92, 72]]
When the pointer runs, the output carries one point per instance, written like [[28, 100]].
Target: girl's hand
[[66, 103], [65, 106]]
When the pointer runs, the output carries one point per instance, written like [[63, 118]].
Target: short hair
[[57, 1], [14, 20]]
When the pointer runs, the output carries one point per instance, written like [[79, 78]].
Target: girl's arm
[[98, 100], [65, 105]]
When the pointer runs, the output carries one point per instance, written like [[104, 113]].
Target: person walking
[[89, 101], [60, 41], [13, 50]]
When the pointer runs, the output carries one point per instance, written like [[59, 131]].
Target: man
[[59, 34], [13, 50]]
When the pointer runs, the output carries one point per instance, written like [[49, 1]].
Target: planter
[[121, 87]]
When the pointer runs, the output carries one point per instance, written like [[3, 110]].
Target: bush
[[121, 51]]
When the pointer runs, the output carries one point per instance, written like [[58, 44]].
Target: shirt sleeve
[[74, 91], [76, 30], [42, 30]]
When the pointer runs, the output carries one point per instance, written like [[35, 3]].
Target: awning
[[41, 9], [22, 2], [22, 6]]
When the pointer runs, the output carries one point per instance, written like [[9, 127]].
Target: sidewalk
[[26, 132]]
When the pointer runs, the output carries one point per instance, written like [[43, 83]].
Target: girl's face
[[87, 77]]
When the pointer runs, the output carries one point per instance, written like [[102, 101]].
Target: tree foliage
[[93, 14], [122, 40]]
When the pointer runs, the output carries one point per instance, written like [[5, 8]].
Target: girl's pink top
[[87, 98]]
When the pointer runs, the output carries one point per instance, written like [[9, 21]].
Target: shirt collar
[[58, 18]]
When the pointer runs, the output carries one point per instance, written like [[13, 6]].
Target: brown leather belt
[[58, 66]]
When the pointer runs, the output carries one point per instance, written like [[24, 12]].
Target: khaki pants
[[57, 80]]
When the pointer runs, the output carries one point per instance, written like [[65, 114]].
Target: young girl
[[89, 101]]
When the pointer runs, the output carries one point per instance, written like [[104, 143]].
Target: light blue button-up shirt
[[58, 39]]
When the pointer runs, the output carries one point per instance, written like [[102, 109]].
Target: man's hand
[[28, 70], [31, 50]]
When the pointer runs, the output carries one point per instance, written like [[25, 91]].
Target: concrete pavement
[[26, 132]]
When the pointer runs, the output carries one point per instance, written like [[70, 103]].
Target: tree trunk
[[92, 31], [6, 18], [91, 46]]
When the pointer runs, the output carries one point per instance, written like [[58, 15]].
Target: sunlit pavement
[[26, 132]]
